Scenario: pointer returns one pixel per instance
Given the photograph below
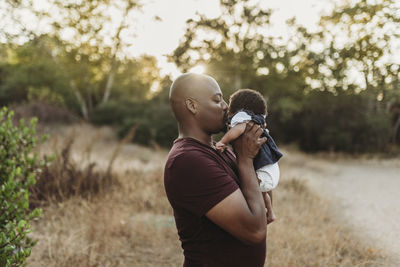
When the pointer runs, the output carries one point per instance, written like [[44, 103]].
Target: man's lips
[[226, 117]]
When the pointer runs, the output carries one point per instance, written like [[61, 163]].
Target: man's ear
[[191, 105]]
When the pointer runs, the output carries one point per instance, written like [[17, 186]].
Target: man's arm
[[242, 213]]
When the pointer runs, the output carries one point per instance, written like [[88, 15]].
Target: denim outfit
[[268, 153], [266, 161]]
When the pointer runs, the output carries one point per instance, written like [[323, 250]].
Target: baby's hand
[[220, 146]]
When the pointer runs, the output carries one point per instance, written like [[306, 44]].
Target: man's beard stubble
[[226, 123]]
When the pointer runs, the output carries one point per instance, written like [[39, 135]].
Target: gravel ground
[[364, 193]]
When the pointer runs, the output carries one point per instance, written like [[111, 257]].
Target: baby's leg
[[266, 185], [268, 205]]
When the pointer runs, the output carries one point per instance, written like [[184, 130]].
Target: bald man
[[218, 207]]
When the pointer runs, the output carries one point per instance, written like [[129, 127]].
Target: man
[[218, 207]]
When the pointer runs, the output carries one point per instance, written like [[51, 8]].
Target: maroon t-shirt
[[196, 178]]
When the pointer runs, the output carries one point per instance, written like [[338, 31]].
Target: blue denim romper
[[268, 153]]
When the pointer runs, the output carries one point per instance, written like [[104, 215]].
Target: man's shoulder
[[186, 154], [192, 155]]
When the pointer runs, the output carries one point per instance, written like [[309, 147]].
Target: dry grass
[[63, 178], [132, 225]]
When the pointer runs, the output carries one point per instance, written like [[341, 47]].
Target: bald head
[[188, 86]]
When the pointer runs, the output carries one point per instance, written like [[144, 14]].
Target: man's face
[[212, 108]]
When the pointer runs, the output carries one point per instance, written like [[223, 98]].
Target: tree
[[360, 53], [92, 38], [29, 74], [235, 36], [238, 51]]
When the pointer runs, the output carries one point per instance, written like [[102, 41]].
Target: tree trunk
[[109, 84], [114, 64], [396, 130], [81, 102]]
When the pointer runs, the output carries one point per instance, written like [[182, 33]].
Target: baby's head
[[249, 100]]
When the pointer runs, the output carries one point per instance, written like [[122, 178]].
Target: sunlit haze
[[158, 27], [199, 69], [161, 37]]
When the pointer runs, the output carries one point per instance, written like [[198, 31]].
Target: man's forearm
[[252, 194]]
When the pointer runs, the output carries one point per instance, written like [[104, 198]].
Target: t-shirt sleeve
[[198, 183], [240, 117]]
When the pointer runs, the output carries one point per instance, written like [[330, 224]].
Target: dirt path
[[365, 193]]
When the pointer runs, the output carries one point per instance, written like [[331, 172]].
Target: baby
[[248, 105]]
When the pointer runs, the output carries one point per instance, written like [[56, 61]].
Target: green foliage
[[153, 120], [29, 74], [344, 122], [308, 82], [115, 112], [344, 67], [18, 168], [238, 56], [232, 37]]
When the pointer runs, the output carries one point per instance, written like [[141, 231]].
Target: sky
[[159, 38]]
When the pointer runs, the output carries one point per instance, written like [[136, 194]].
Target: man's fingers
[[249, 126], [262, 140], [259, 131], [256, 131], [253, 129]]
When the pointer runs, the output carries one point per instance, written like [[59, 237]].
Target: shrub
[[115, 112], [18, 168], [343, 122], [65, 177], [154, 120], [47, 113], [144, 133]]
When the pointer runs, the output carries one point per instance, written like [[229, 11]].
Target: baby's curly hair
[[249, 100]]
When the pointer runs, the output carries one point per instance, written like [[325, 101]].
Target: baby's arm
[[231, 135]]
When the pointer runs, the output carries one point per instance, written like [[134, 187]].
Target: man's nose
[[225, 105]]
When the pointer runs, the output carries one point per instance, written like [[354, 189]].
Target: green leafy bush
[[343, 122], [18, 168], [115, 112], [153, 120]]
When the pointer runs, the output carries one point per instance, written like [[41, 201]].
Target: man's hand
[[249, 143], [220, 146]]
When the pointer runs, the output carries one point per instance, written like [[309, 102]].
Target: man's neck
[[195, 133]]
